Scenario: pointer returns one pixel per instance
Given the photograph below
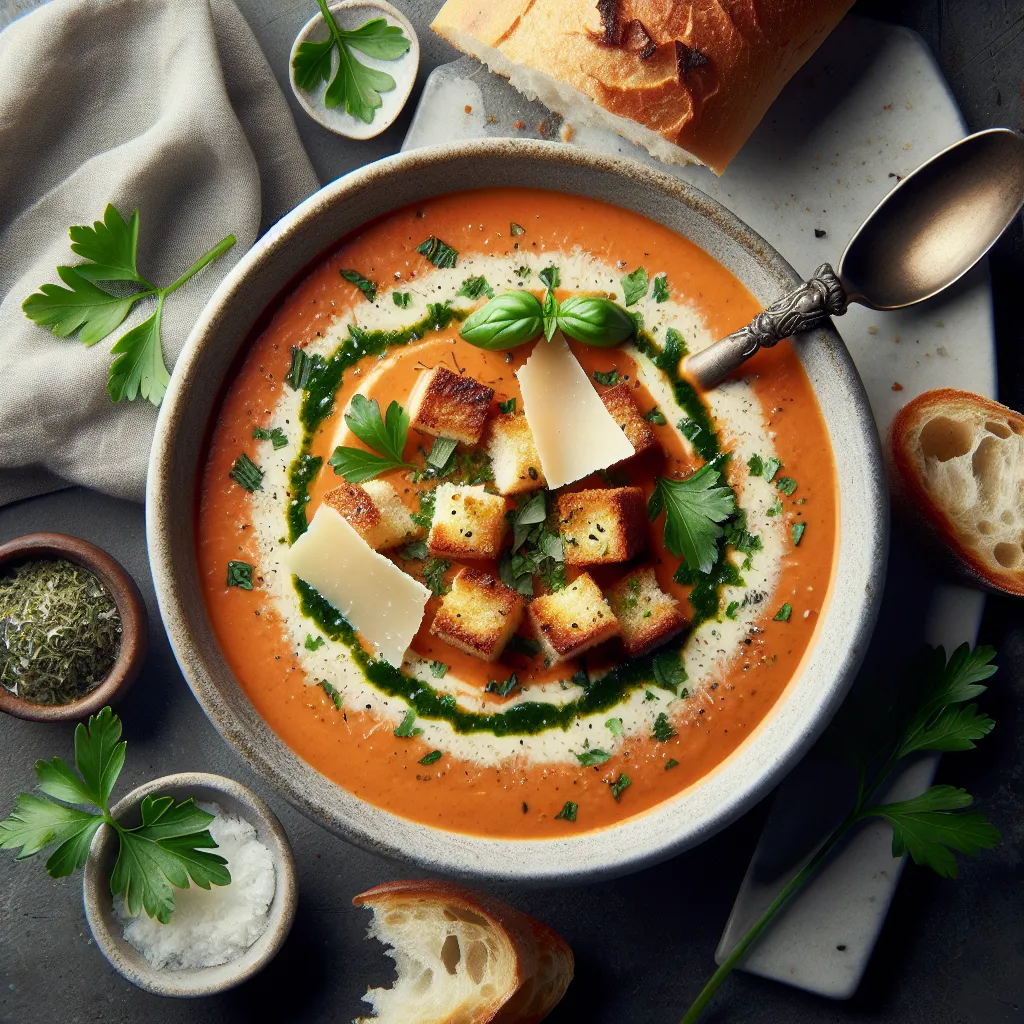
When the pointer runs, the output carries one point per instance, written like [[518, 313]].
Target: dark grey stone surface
[[951, 951]]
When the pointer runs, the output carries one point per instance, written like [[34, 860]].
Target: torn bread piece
[[376, 512], [383, 603], [619, 402], [604, 525], [462, 957], [469, 522], [513, 452], [574, 432], [446, 404], [570, 621], [478, 615], [957, 470], [688, 80], [648, 617]]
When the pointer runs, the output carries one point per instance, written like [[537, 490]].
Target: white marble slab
[[869, 106]]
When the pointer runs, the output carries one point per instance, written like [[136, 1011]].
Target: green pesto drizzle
[[527, 717]]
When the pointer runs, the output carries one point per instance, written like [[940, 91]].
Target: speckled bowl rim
[[204, 981], [811, 698]]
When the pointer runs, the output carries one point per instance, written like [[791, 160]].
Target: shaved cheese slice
[[575, 434], [383, 603]]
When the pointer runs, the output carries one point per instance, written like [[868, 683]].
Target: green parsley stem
[[215, 253], [332, 25]]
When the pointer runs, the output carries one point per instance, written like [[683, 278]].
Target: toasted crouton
[[648, 617], [570, 621], [600, 527], [478, 615], [619, 402], [513, 452], [376, 513], [446, 404], [468, 522]]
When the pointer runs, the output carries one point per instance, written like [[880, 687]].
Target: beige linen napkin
[[165, 106]]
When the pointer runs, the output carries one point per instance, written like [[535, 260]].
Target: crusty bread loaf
[[957, 467], [463, 957], [687, 79]]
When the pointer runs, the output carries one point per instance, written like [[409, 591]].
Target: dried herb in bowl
[[60, 631]]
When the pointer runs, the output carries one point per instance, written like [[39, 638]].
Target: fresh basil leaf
[[508, 320], [595, 321], [550, 311]]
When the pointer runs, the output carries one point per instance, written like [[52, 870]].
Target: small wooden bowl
[[134, 620]]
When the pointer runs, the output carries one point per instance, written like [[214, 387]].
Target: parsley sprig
[[354, 85], [931, 714], [386, 436], [694, 507], [170, 847], [110, 248]]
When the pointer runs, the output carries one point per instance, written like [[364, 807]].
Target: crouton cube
[[603, 526], [619, 402], [478, 615], [570, 621], [375, 512], [468, 522], [446, 404], [514, 459], [648, 617]]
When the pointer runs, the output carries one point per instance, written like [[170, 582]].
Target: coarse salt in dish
[[211, 926]]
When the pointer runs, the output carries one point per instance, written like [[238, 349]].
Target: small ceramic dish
[[134, 622], [350, 15], [108, 931]]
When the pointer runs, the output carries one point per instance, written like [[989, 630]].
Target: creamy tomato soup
[[521, 746]]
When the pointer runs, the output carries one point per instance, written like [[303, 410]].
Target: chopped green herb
[[297, 377], [240, 575], [332, 692], [314, 643], [771, 467], [517, 229], [439, 253], [634, 286], [425, 516], [776, 508], [474, 468], [403, 300], [433, 575], [246, 474], [276, 436], [619, 785], [660, 292], [675, 349], [689, 429], [417, 550], [441, 451], [663, 730], [609, 379], [615, 726], [784, 613], [508, 406], [568, 811], [364, 284], [731, 610], [589, 758], [550, 277], [523, 645], [438, 669], [432, 758], [502, 689], [671, 763], [406, 730], [656, 416], [797, 532], [669, 671], [786, 484], [523, 272], [756, 465], [580, 677], [650, 695], [474, 287]]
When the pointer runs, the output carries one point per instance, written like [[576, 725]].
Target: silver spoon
[[926, 234]]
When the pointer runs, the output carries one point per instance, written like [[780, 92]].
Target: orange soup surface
[[684, 707]]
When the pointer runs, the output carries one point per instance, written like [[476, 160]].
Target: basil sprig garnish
[[515, 318]]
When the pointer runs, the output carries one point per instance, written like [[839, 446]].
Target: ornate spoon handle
[[805, 307]]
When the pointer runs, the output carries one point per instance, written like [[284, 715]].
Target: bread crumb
[[469, 109], [567, 131], [897, 386]]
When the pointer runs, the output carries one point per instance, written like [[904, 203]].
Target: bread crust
[[543, 960], [715, 67], [917, 503]]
